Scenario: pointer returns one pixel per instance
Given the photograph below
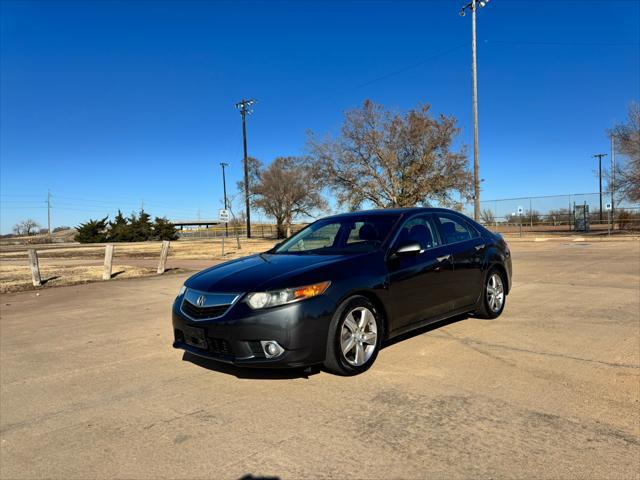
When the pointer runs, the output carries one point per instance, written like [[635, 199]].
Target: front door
[[421, 286], [467, 255]]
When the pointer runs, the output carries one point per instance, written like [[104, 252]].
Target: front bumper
[[300, 328]]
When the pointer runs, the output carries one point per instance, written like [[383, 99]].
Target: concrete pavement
[[90, 387]]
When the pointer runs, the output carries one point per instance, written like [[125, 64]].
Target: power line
[[412, 66], [23, 208], [563, 44]]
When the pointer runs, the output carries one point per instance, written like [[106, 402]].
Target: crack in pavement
[[469, 341]]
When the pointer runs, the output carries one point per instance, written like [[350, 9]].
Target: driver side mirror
[[408, 250]]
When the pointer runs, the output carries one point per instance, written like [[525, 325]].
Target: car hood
[[257, 272]]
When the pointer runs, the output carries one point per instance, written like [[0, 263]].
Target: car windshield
[[340, 235]]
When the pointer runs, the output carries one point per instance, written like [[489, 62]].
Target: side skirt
[[428, 321]]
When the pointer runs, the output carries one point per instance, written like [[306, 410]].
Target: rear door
[[421, 286], [467, 255]]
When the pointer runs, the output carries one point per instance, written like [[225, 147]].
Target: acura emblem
[[200, 301]]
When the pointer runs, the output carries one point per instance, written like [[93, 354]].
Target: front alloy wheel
[[354, 338], [359, 336]]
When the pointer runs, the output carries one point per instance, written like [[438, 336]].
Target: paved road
[[90, 387]]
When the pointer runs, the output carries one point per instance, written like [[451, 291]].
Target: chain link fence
[[260, 230], [553, 213], [559, 213]]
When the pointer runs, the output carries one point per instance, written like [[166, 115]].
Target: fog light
[[271, 348]]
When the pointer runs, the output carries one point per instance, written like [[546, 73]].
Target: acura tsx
[[335, 291]]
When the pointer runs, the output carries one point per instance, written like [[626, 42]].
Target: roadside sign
[[608, 206], [224, 215], [520, 210]]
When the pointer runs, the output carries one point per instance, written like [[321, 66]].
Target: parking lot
[[90, 387]]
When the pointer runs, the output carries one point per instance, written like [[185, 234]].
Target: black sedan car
[[333, 292]]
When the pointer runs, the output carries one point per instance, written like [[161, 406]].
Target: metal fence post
[[530, 214]]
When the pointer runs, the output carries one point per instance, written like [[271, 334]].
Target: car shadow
[[426, 329], [293, 373], [251, 373]]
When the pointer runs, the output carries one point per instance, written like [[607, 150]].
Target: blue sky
[[109, 103]]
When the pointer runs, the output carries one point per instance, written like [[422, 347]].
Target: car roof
[[394, 211]]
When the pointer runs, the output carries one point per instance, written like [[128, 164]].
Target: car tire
[[494, 295], [351, 347]]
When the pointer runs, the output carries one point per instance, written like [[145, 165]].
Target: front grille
[[219, 346], [201, 313]]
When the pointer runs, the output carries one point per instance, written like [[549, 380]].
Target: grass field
[[71, 264]]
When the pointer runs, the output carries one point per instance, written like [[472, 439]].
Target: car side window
[[419, 229], [454, 230]]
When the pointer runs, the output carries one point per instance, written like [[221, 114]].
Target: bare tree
[[487, 217], [237, 213], [558, 216], [533, 217], [26, 227], [389, 160], [627, 141], [285, 189]]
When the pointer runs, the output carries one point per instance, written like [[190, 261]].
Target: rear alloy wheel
[[354, 338], [493, 295]]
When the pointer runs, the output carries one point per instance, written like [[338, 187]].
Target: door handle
[[442, 259]]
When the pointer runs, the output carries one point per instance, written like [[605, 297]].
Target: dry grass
[[14, 278], [185, 249], [15, 274]]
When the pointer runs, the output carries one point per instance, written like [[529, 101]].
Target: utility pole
[[49, 211], [476, 163], [612, 180], [599, 157], [245, 108], [224, 186]]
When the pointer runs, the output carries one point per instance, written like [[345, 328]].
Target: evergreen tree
[[141, 228], [93, 231], [119, 229], [138, 227], [163, 229]]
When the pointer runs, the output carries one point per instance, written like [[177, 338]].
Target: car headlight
[[273, 298], [182, 290]]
